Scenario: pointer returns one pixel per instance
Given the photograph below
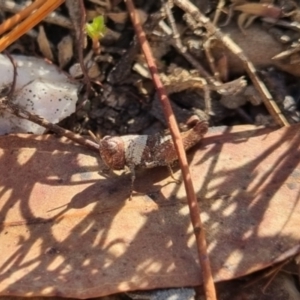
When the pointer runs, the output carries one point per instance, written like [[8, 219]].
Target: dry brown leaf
[[93, 70], [44, 44], [91, 14], [250, 11], [244, 21], [119, 18], [68, 231], [65, 50], [260, 9], [254, 43]]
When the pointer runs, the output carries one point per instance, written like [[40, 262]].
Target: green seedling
[[96, 31]]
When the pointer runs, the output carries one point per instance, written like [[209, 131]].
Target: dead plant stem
[[192, 200], [18, 17], [29, 22], [20, 112], [78, 16]]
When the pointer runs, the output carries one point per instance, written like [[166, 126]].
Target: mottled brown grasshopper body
[[146, 151]]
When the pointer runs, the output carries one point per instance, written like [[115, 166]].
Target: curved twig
[[191, 197]]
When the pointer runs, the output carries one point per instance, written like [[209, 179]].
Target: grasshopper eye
[[112, 152], [112, 146]]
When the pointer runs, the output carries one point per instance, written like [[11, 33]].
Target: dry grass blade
[[270, 104], [29, 22], [190, 192]]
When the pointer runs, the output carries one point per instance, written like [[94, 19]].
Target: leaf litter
[[66, 223], [253, 205]]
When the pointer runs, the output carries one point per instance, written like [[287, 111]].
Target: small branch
[[80, 51], [21, 11], [218, 11], [29, 22], [179, 46], [214, 85], [191, 197], [13, 84], [24, 114], [19, 16], [78, 16]]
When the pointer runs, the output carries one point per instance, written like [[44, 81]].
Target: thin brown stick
[[18, 17], [218, 11], [20, 112], [80, 51], [29, 23], [221, 88], [271, 273], [14, 80], [270, 104], [7, 105], [78, 16], [52, 18], [178, 45], [191, 197]]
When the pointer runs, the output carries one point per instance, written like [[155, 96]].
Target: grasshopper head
[[112, 151]]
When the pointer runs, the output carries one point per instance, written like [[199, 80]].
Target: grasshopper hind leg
[[177, 181], [132, 174]]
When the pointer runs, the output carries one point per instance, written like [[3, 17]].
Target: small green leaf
[[96, 29]]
